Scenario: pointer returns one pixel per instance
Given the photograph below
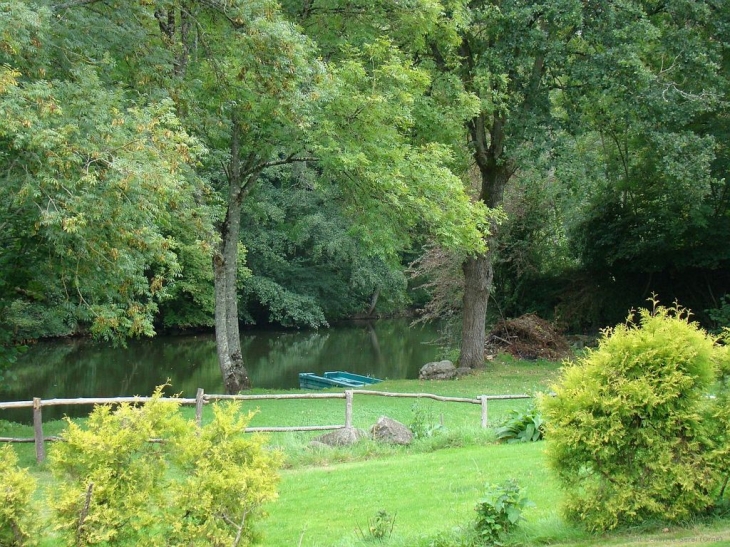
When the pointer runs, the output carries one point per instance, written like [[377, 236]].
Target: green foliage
[[499, 511], [188, 487], [720, 315], [628, 429], [373, 158], [97, 189], [423, 424], [380, 527], [18, 521], [229, 476], [522, 426], [308, 268]]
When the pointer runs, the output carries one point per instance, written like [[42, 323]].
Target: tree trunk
[[495, 172], [478, 275], [225, 267]]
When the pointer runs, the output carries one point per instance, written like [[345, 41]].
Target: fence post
[[348, 408], [485, 411], [40, 449], [199, 407]]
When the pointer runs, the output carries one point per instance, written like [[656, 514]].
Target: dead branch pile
[[528, 337]]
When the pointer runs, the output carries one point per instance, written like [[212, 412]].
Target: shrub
[[229, 476], [522, 426], [189, 487], [112, 480], [16, 489], [626, 430], [499, 511]]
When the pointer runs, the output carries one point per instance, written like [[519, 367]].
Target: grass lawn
[[428, 493], [328, 496], [433, 493]]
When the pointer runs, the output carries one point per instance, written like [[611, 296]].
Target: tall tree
[[98, 192], [537, 67], [655, 211], [509, 55], [241, 78], [251, 87]]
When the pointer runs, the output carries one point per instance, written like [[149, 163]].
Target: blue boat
[[310, 380]]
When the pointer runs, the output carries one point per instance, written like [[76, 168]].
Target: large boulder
[[391, 431], [441, 370], [341, 437]]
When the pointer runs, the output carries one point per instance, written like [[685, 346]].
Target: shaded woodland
[[179, 164]]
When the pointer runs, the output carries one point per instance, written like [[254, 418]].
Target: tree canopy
[[177, 163]]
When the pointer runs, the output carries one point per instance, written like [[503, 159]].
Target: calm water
[[80, 368]]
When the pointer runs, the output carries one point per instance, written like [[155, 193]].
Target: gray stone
[[441, 370], [391, 431], [341, 437]]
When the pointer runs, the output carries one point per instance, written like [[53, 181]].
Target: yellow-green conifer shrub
[[721, 414], [16, 488], [112, 480], [189, 487], [628, 429], [229, 475]]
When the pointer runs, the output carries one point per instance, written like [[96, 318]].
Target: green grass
[[327, 496], [428, 493]]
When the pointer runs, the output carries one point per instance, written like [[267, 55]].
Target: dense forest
[[178, 164]]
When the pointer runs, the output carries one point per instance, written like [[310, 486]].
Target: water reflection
[[80, 368]]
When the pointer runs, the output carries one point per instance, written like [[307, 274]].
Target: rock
[[441, 370], [391, 431], [341, 437], [464, 371]]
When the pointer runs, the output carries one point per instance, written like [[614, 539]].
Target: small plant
[[522, 426], [379, 527], [423, 425], [499, 511]]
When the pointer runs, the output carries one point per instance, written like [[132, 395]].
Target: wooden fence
[[202, 398]]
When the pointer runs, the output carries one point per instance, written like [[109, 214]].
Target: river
[[274, 358]]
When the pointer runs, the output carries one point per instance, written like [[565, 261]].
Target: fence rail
[[202, 398]]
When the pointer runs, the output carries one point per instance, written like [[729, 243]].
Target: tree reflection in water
[[82, 368]]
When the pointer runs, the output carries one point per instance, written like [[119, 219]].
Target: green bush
[[16, 488], [499, 511], [522, 426], [229, 475], [189, 487], [628, 429]]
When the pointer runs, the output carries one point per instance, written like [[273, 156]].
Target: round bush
[[628, 430]]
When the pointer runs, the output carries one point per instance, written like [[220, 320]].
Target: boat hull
[[348, 380]]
